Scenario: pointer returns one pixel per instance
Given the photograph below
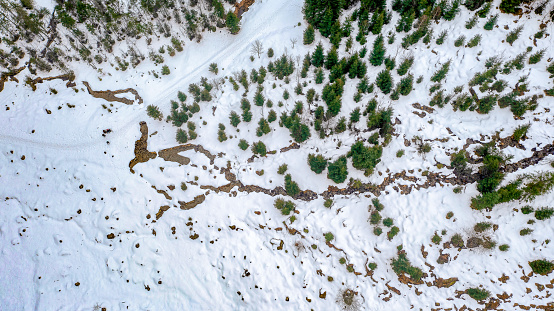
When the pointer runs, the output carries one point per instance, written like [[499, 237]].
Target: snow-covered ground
[[78, 230]]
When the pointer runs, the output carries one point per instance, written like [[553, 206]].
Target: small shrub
[[243, 144], [491, 22], [544, 213], [473, 42], [165, 70], [181, 136], [317, 163], [270, 52], [384, 81], [393, 232], [527, 210], [514, 35], [535, 58], [457, 240], [375, 218], [259, 148], [388, 222], [183, 186], [400, 153], [337, 170], [291, 187], [482, 227], [525, 231], [377, 231], [442, 36], [460, 41], [282, 169], [213, 68], [441, 73], [477, 293], [284, 206], [541, 267], [504, 247], [329, 237], [154, 112], [436, 239], [402, 265], [342, 260], [472, 22], [378, 205], [372, 265], [449, 215], [328, 203]]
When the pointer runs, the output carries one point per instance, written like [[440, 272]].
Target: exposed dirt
[[110, 95], [10, 75], [141, 148], [242, 7], [192, 204], [69, 77], [172, 154]]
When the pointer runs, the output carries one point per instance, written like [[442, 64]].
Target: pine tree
[[259, 99], [378, 53], [318, 57], [384, 81], [309, 35], [232, 23], [378, 25], [332, 58]]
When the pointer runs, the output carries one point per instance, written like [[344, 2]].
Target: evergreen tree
[[332, 58], [384, 81], [317, 163], [234, 118], [259, 99], [378, 25], [232, 23], [338, 170], [309, 35], [318, 57], [263, 127], [377, 55]]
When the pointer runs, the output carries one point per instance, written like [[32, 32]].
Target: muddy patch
[[10, 75], [69, 77], [141, 148], [172, 154], [199, 199], [110, 95]]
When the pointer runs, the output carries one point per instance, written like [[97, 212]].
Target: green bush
[[482, 226], [514, 35], [282, 169], [477, 293], [377, 231], [504, 247], [388, 222], [165, 70], [525, 231], [393, 232], [259, 148], [485, 201], [400, 153], [291, 187], [436, 239], [372, 266], [328, 203], [181, 136], [457, 240], [527, 210], [441, 73], [384, 81], [537, 184], [401, 264], [263, 127], [535, 58], [441, 37], [520, 132], [377, 55], [284, 206], [365, 158], [473, 42], [491, 22], [541, 266], [317, 163], [510, 6], [243, 144], [544, 213], [405, 65], [375, 218], [472, 22], [154, 112], [337, 170], [329, 237], [460, 41]]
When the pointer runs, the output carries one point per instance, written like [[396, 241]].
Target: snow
[[54, 233]]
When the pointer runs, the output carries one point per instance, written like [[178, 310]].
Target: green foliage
[[272, 116], [377, 55], [504, 247], [328, 203], [439, 75], [478, 293], [441, 37], [514, 35], [405, 65], [337, 171], [181, 136], [390, 63], [384, 81], [401, 265], [406, 85], [520, 132], [510, 192], [284, 206], [541, 266], [342, 260], [372, 266], [388, 222], [457, 240], [400, 153], [392, 233], [165, 70], [482, 227], [332, 94], [460, 41], [329, 237], [234, 119], [436, 239], [213, 68], [535, 58], [491, 22], [472, 22], [263, 128], [243, 144], [375, 218], [525, 231], [259, 148], [485, 201], [154, 112], [309, 35], [486, 104], [510, 6], [378, 205], [291, 187], [473, 42], [318, 57], [537, 184], [377, 231], [544, 213], [232, 22], [282, 169], [365, 158], [182, 96]]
